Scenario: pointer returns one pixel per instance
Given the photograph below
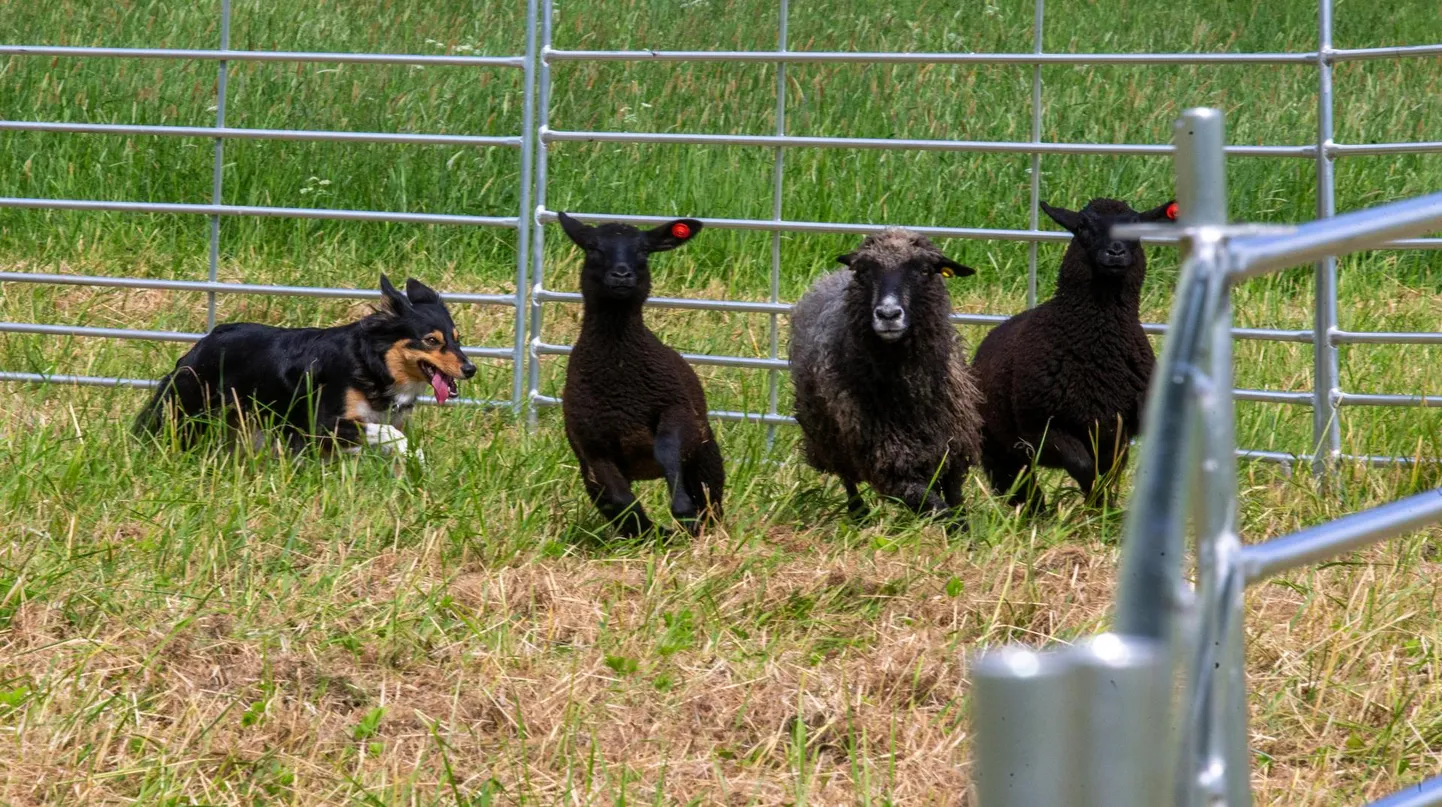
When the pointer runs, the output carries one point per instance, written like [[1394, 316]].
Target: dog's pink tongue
[[443, 391]]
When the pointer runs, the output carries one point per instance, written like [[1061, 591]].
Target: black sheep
[[634, 409], [883, 393], [1064, 382]]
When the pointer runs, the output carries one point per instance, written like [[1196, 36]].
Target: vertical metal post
[[777, 173], [1035, 156], [1124, 683], [219, 166], [1326, 432], [538, 231], [1221, 757], [524, 219], [1025, 715]]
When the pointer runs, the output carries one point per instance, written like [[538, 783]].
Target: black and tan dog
[[345, 387]]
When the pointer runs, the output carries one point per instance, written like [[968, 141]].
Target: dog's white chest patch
[[406, 394]]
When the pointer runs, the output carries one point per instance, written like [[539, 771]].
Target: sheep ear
[[672, 235], [582, 235], [947, 267], [1166, 211], [1070, 220], [846, 259], [391, 299], [421, 294]]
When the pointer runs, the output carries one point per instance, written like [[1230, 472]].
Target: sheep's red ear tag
[[680, 230], [1172, 211]]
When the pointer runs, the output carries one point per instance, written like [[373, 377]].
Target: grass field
[[207, 628]]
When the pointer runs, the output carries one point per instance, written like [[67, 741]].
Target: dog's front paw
[[388, 439]]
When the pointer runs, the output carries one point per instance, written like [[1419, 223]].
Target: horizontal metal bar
[[144, 383], [235, 288], [740, 306], [230, 133], [1366, 54], [1271, 396], [1422, 794], [1339, 235], [1353, 149], [986, 146], [720, 414], [1364, 399], [1259, 455], [1348, 533], [246, 210], [504, 353], [1385, 338], [103, 333], [1413, 243], [546, 349], [78, 380], [263, 56], [844, 57]]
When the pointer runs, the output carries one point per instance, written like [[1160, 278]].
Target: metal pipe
[[1367, 54], [1350, 232], [1026, 712], [525, 215], [538, 230], [547, 349], [718, 414], [233, 288], [1425, 147], [218, 169], [1340, 337], [249, 210], [103, 333], [1035, 212], [1365, 399], [777, 179], [1326, 431], [847, 57], [1151, 592], [230, 133], [898, 144], [1346, 534], [1124, 682], [261, 56]]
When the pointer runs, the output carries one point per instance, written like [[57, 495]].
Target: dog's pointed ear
[[582, 235], [1070, 220], [421, 294], [671, 235], [391, 299]]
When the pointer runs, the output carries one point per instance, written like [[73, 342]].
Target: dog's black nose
[[468, 370]]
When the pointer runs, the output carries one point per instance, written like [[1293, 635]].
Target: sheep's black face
[[892, 268], [1110, 258], [616, 267]]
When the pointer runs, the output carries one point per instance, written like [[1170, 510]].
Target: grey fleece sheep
[[883, 393], [1064, 382]]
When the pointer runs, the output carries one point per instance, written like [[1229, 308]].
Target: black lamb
[[633, 408], [1064, 383], [883, 393]]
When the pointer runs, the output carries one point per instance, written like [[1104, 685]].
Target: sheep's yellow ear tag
[[946, 272]]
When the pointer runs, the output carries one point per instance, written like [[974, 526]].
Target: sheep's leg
[[923, 498], [1003, 475], [669, 449], [952, 483], [855, 505], [1075, 458], [705, 477], [610, 490]]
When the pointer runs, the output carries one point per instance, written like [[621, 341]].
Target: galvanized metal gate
[[1100, 723], [1326, 397]]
